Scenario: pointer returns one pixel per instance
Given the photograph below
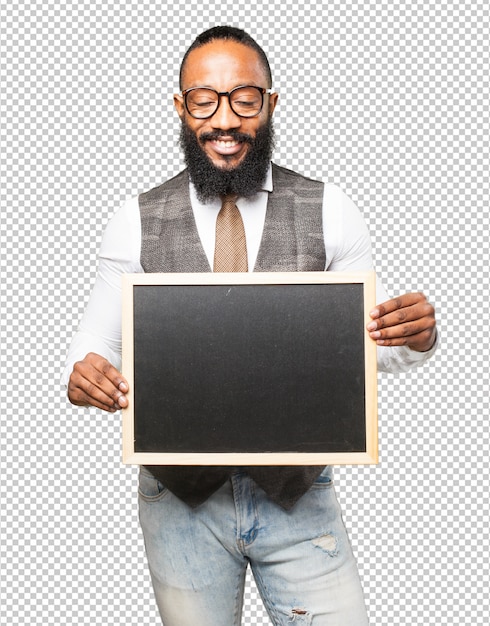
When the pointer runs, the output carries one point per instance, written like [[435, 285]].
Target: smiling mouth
[[225, 147], [227, 144]]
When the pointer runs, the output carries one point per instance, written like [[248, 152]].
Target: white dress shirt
[[347, 247]]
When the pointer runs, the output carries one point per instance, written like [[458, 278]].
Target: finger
[[108, 370], [420, 310], [80, 398], [421, 341], [403, 301], [418, 335], [404, 331]]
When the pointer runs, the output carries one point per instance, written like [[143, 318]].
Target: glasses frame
[[262, 91]]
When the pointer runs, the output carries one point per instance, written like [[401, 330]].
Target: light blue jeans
[[301, 559]]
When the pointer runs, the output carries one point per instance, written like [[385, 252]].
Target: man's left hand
[[408, 320]]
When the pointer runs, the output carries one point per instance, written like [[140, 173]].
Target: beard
[[244, 180]]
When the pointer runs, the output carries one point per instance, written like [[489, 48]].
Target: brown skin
[[224, 65], [95, 382], [407, 320]]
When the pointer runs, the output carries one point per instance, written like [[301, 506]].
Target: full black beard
[[245, 180]]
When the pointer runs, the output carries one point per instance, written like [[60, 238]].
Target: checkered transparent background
[[390, 101]]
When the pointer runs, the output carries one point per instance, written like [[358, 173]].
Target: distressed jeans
[[301, 559]]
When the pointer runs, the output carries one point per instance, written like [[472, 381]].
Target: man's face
[[223, 65]]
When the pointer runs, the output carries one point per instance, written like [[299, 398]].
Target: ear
[[273, 97], [179, 105]]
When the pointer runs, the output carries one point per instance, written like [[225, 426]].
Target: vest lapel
[[170, 239], [292, 240]]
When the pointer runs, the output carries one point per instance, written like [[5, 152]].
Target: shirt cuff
[[402, 359]]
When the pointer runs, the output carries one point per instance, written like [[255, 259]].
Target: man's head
[[228, 148]]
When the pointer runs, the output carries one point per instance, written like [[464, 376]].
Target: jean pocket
[[325, 480], [150, 488]]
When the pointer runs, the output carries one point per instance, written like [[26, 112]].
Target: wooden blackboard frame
[[367, 455]]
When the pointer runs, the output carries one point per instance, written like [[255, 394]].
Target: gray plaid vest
[[292, 241]]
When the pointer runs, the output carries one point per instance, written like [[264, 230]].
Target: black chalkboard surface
[[249, 368]]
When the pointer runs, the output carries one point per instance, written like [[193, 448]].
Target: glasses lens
[[202, 103], [246, 101]]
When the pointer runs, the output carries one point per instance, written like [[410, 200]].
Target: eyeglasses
[[245, 101]]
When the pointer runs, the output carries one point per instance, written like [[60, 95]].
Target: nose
[[225, 118]]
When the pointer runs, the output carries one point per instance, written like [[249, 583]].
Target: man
[[203, 526]]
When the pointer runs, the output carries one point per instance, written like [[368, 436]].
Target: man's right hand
[[95, 382]]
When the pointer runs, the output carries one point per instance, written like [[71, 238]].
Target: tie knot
[[230, 198]]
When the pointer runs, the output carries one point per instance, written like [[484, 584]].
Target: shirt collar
[[267, 186]]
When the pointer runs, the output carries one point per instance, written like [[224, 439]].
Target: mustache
[[234, 134]]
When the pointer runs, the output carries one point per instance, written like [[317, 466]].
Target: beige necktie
[[230, 253]]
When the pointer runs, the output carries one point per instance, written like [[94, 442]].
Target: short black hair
[[228, 33]]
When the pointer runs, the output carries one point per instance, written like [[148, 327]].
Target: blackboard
[[259, 368]]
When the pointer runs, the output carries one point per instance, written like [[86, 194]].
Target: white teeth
[[227, 144]]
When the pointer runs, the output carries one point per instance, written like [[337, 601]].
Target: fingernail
[[375, 335], [122, 401], [123, 386], [372, 326], [374, 313]]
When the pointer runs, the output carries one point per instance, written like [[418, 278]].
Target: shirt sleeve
[[348, 249], [100, 328]]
